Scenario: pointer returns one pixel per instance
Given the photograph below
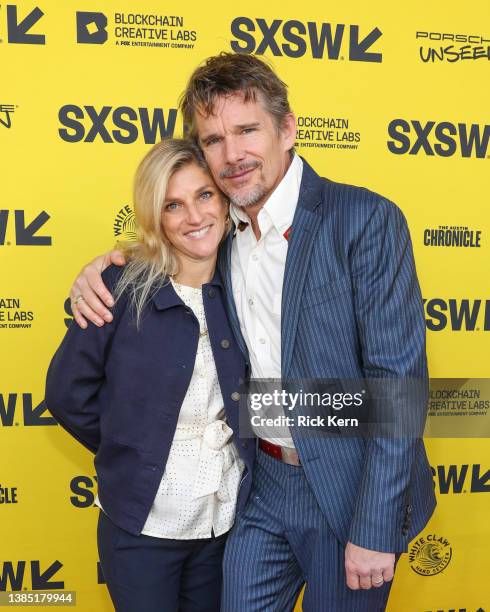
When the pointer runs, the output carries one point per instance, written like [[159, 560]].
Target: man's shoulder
[[353, 202], [345, 194]]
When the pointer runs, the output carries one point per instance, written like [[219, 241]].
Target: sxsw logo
[[13, 576], [296, 39], [461, 315], [443, 139], [82, 488], [25, 234], [13, 403], [456, 479], [19, 28], [91, 28], [122, 124]]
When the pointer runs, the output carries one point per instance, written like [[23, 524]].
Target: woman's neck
[[195, 273]]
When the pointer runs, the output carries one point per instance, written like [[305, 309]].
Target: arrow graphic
[[33, 416], [358, 49], [479, 484], [25, 234], [18, 32], [41, 581]]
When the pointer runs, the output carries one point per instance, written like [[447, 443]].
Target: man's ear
[[288, 131]]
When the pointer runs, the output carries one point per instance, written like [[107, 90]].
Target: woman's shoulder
[[111, 276]]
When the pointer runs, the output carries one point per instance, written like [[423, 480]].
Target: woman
[[155, 396]]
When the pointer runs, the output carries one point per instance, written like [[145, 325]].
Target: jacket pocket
[[312, 296]]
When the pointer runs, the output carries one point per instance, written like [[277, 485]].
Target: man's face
[[246, 152]]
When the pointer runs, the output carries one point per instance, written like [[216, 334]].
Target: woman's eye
[[172, 206], [205, 195]]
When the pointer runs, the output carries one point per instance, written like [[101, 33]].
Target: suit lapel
[[306, 222], [224, 264]]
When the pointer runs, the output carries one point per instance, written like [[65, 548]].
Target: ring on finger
[[377, 579], [78, 298]]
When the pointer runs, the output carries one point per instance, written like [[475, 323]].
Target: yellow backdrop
[[390, 96]]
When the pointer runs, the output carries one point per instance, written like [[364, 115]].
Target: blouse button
[[212, 293], [225, 343], [235, 396]]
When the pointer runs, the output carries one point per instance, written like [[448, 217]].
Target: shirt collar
[[166, 297], [281, 205]]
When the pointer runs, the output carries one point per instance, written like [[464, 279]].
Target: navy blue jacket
[[352, 310], [118, 390]]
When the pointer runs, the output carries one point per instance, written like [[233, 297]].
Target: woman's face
[[193, 214]]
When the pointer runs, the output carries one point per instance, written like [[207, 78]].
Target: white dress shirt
[[257, 273], [199, 488]]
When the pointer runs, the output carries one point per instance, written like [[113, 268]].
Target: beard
[[254, 195]]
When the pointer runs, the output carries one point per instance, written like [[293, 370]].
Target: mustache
[[232, 170]]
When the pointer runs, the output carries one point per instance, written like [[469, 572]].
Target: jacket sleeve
[[76, 374], [391, 323]]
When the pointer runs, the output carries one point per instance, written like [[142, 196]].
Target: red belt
[[281, 453]]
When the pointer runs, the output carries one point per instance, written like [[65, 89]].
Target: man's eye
[[248, 130], [211, 141]]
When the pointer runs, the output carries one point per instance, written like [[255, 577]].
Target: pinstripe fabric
[[281, 539], [352, 308]]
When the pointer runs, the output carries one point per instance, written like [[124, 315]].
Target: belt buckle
[[290, 456]]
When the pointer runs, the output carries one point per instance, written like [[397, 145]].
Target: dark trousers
[[157, 574]]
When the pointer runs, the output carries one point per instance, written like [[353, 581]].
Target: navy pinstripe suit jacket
[[352, 309]]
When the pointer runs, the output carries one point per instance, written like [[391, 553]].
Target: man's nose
[[233, 152]]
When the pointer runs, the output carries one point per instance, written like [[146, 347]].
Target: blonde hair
[[150, 258]]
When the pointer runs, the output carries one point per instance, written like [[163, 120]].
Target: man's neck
[[253, 211]]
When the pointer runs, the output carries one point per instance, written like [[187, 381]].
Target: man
[[321, 284]]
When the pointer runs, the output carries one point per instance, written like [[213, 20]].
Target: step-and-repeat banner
[[388, 96]]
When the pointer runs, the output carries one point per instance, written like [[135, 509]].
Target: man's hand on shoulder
[[89, 296], [366, 568]]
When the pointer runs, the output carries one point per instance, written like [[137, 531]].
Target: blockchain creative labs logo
[[125, 225], [430, 555], [435, 47], [20, 26], [326, 133], [6, 112], [135, 30], [296, 39], [14, 315], [452, 236], [441, 139], [91, 28], [459, 397]]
